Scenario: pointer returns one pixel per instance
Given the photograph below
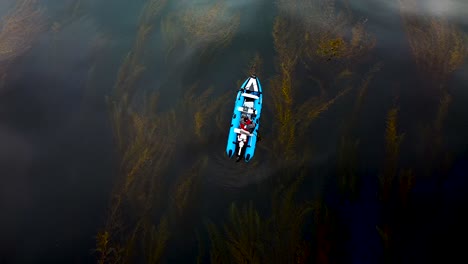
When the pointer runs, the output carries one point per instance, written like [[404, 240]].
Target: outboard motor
[[241, 141]]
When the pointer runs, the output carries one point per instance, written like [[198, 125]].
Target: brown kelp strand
[[197, 108], [249, 237], [255, 66], [438, 125], [202, 29], [393, 141], [155, 241], [145, 154], [336, 39], [363, 89], [287, 220], [19, 29], [437, 155], [406, 180], [149, 146], [144, 150], [395, 187], [438, 47], [282, 87], [296, 39], [187, 189], [385, 234], [245, 235], [133, 65], [347, 166], [324, 232], [210, 24], [349, 143]]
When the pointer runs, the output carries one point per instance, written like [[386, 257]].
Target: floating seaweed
[[19, 29], [438, 47], [320, 41], [187, 188], [406, 183], [201, 29], [144, 150], [349, 144], [393, 141], [133, 65], [155, 241], [327, 41], [250, 238]]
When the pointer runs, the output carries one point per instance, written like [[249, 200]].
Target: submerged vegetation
[[438, 46], [148, 208], [19, 29], [321, 74], [201, 27]]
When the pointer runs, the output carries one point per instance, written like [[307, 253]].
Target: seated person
[[247, 124]]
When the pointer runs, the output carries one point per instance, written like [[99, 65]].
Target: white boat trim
[[250, 96]]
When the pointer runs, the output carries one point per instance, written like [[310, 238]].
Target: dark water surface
[[57, 154]]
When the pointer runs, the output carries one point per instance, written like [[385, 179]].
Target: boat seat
[[249, 104], [246, 110], [250, 96], [241, 131]]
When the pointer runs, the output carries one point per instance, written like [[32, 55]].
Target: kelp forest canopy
[[359, 134]]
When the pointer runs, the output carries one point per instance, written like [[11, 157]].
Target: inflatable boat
[[243, 133]]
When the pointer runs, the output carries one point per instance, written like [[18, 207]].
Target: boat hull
[[251, 88]]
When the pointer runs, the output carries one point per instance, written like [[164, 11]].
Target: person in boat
[[247, 124]]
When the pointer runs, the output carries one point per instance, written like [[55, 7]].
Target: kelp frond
[[250, 238], [245, 234], [244, 237], [326, 34], [133, 65], [155, 241], [393, 140], [20, 28], [106, 252], [255, 66], [186, 187], [442, 112], [316, 111], [364, 86], [406, 183], [219, 253], [210, 25], [347, 165], [438, 47], [385, 236], [287, 222], [286, 44], [203, 109]]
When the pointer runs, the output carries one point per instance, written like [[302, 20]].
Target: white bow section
[[252, 85]]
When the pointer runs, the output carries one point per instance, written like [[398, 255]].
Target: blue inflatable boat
[[243, 133]]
